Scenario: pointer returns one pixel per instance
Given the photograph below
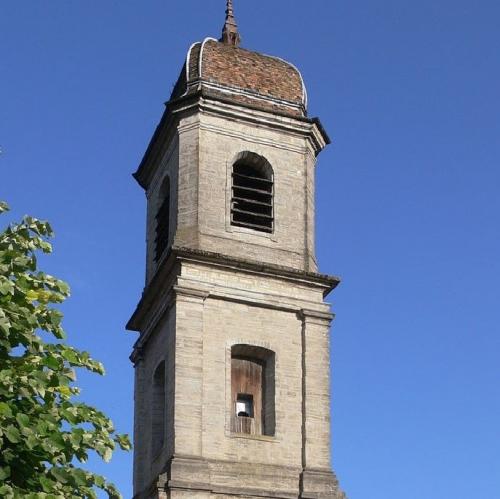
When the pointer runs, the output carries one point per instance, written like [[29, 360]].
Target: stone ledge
[[320, 484], [261, 438], [327, 281], [176, 254], [230, 478]]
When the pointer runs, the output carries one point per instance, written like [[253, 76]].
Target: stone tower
[[232, 388]]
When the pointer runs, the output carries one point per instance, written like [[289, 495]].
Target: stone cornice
[[160, 288], [206, 100], [293, 124], [327, 282]]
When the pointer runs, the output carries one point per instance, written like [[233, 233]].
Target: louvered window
[[163, 221], [252, 195]]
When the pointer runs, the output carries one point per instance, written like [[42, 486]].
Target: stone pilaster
[[318, 480], [189, 371], [140, 418]]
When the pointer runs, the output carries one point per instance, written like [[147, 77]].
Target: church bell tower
[[232, 376]]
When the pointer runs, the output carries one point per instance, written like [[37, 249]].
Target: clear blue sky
[[408, 205]]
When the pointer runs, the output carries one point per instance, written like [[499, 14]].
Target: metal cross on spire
[[230, 34]]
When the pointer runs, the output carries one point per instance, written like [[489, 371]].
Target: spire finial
[[230, 34]]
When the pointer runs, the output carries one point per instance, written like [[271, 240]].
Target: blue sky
[[408, 210]]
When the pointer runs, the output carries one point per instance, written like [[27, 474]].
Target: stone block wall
[[199, 162], [213, 308]]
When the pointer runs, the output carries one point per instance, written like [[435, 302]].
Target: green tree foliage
[[44, 433]]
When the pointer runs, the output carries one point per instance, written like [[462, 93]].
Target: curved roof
[[243, 76]]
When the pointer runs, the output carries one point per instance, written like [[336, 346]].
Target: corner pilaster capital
[[316, 317], [137, 356], [191, 293]]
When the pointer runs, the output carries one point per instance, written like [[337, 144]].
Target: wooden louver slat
[[252, 199], [251, 189], [260, 215], [257, 179]]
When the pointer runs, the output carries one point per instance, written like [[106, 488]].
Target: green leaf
[[47, 484], [99, 481], [60, 475], [12, 434], [6, 287], [32, 295], [70, 355], [65, 391], [22, 419], [112, 492], [63, 287], [80, 478], [32, 442], [4, 473], [5, 325], [124, 442], [5, 410], [51, 362], [6, 492]]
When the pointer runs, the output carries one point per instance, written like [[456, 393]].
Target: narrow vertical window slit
[[163, 221]]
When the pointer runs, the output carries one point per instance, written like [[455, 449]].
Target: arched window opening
[[158, 412], [252, 390], [163, 220], [252, 193]]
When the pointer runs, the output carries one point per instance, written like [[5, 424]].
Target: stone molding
[[158, 298], [301, 126], [194, 474], [268, 269], [204, 101], [205, 475], [320, 484], [316, 317], [248, 138], [176, 255], [185, 292]]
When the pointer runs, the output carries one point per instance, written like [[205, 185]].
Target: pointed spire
[[230, 35]]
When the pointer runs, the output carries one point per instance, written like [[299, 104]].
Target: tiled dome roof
[[242, 76]]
